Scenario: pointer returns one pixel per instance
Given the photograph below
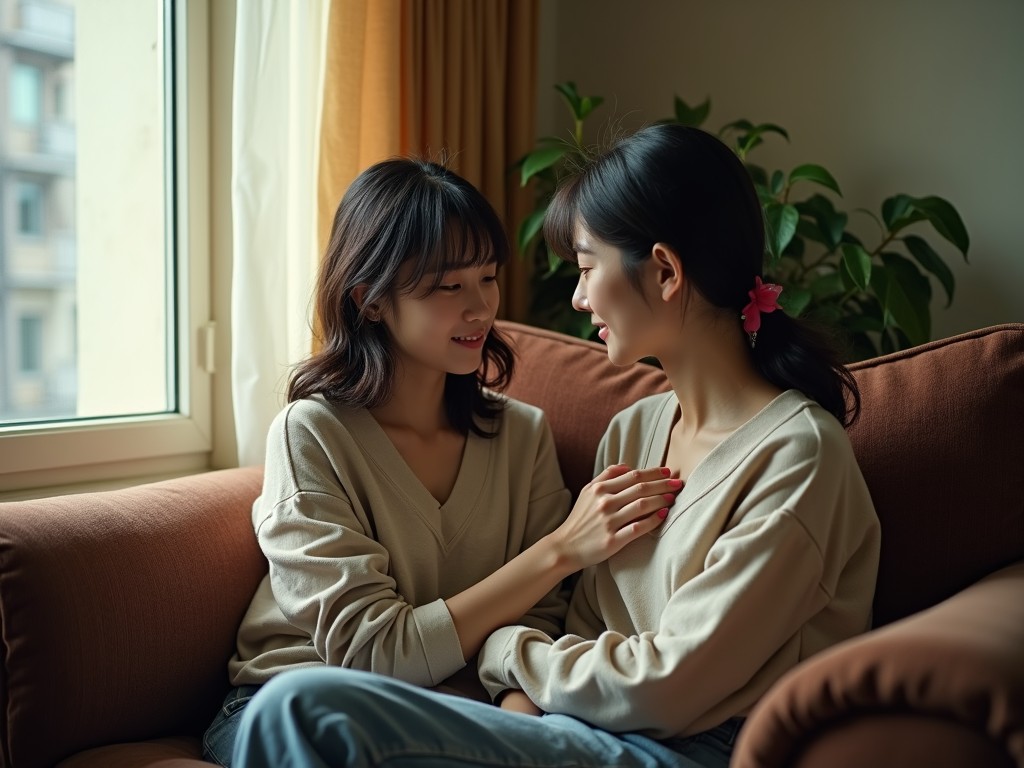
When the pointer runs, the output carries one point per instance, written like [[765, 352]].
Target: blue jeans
[[330, 717], [219, 739]]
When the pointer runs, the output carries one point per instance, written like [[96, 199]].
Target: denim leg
[[329, 717], [219, 738]]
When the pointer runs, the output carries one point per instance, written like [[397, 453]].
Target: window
[[26, 93], [30, 208], [119, 267], [30, 329]]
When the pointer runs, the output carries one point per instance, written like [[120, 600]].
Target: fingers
[[639, 527], [622, 480]]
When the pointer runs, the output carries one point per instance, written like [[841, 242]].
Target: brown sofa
[[118, 609]]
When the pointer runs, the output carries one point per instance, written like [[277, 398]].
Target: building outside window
[[103, 265], [30, 329], [30, 208]]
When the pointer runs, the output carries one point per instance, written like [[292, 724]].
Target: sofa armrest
[[118, 611], [941, 687]]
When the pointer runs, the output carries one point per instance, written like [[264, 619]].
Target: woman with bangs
[[769, 552], [408, 509]]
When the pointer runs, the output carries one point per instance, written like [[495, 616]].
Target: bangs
[[467, 236], [561, 218]]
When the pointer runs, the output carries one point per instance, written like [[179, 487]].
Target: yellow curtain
[[433, 78]]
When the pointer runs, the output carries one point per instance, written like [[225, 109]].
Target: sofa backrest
[[940, 444], [118, 611], [939, 441]]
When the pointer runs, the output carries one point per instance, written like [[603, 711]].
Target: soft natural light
[[85, 295], [105, 331]]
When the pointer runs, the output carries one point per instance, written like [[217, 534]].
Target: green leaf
[[895, 208], [815, 173], [947, 222], [757, 174], [899, 211], [554, 262], [692, 116], [571, 96], [831, 223], [529, 227], [781, 223], [830, 284], [932, 262], [863, 323], [795, 300], [778, 179], [539, 159], [905, 294], [856, 266], [588, 104]]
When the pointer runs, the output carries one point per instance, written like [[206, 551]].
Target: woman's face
[[444, 331], [616, 307]]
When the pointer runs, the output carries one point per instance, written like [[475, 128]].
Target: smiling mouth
[[475, 341]]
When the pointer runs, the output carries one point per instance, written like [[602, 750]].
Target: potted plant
[[877, 293]]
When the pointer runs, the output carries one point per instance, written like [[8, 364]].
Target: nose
[[579, 298], [482, 303]]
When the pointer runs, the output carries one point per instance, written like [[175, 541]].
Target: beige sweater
[[769, 555], [362, 556]]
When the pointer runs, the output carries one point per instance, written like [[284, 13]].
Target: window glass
[[30, 208], [26, 87], [84, 235], [31, 337]]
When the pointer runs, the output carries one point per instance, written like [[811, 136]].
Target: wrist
[[558, 556]]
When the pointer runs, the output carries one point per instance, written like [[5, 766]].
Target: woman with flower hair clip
[[768, 555]]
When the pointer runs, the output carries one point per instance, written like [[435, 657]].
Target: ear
[[372, 311], [668, 271]]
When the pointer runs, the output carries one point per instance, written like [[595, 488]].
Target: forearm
[[507, 594]]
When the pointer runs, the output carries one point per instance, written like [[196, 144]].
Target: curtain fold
[[278, 81], [451, 80]]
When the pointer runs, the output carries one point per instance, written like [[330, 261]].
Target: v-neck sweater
[[769, 554], [362, 556]]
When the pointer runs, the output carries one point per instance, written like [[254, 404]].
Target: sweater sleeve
[[330, 576], [705, 647], [330, 580]]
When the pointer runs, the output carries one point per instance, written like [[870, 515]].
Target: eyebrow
[[582, 248]]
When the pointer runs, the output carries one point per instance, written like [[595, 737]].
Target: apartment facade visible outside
[[38, 311]]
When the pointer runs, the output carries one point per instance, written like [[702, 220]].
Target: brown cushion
[[579, 389], [119, 610], [951, 677], [158, 753], [940, 444]]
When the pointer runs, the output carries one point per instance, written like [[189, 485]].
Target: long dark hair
[[397, 211], [681, 186]]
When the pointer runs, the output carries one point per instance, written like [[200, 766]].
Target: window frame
[[75, 454]]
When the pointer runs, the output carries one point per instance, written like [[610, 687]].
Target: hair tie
[[763, 298]]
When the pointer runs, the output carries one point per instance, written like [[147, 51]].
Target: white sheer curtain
[[278, 75]]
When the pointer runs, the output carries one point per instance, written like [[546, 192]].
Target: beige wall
[[915, 96]]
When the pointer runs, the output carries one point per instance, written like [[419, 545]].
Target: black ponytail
[[668, 183], [795, 354]]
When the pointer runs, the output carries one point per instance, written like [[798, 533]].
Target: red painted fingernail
[[675, 483], [666, 471], [669, 497], [662, 513]]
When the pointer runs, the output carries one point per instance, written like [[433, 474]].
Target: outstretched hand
[[615, 508]]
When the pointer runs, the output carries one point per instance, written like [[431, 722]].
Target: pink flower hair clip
[[763, 298]]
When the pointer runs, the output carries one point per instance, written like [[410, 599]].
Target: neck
[[416, 403], [716, 382]]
